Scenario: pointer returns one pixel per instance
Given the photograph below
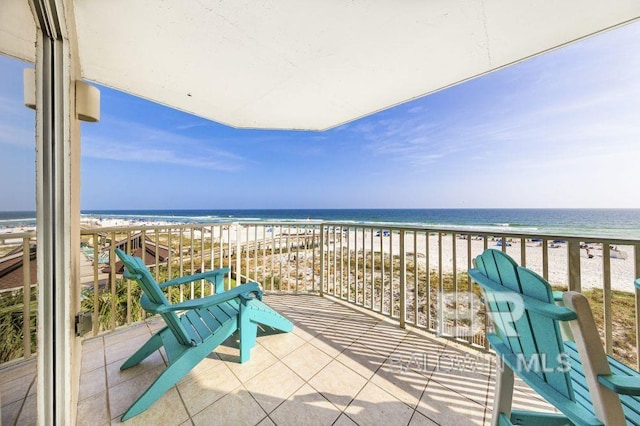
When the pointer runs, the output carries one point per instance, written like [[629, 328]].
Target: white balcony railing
[[18, 306], [414, 275]]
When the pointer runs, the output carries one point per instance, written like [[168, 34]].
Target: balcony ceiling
[[292, 64]]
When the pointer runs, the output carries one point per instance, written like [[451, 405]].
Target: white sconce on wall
[[87, 102], [87, 97]]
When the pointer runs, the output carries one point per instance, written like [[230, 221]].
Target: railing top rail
[[13, 289], [178, 226], [10, 236], [371, 225], [488, 233]]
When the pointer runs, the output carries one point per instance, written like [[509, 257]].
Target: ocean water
[[609, 223]]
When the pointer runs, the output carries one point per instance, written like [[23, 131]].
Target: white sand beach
[[592, 269]]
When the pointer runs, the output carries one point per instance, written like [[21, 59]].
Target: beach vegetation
[[12, 324], [623, 315]]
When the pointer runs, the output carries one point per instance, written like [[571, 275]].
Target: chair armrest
[[216, 299], [557, 297], [209, 276], [624, 385]]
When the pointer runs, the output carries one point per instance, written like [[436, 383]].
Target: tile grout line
[[486, 400], [24, 400], [106, 378], [184, 404], [223, 396], [377, 369], [363, 386], [425, 389], [306, 382], [255, 400]]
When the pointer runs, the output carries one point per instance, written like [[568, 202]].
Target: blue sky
[[559, 130]]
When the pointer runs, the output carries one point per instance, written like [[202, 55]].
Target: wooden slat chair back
[[136, 270], [524, 332], [527, 339]]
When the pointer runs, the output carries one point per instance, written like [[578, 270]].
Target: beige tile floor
[[340, 366]]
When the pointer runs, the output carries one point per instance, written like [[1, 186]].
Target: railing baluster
[[238, 253], [349, 298], [341, 266], [129, 281], [636, 273], [192, 254], [382, 272], [246, 257], [545, 258], [372, 284], [169, 261], [427, 295], [202, 282], [143, 255], [440, 304], [606, 296], [355, 257], [313, 258], [96, 260], [264, 256], [157, 250], [26, 297], [273, 253], [255, 252], [112, 279], [454, 248], [211, 257], [391, 274], [281, 286], [181, 260], [574, 265], [403, 281], [470, 294], [415, 278], [296, 256], [221, 247], [322, 259]]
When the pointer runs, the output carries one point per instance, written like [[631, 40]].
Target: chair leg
[[152, 345], [503, 395], [248, 333], [177, 369], [162, 384]]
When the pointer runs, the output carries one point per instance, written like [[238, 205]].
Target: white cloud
[[133, 142], [193, 125], [17, 136], [17, 124], [575, 104]]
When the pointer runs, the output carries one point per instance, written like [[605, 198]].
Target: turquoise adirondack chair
[[577, 377], [194, 328]]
